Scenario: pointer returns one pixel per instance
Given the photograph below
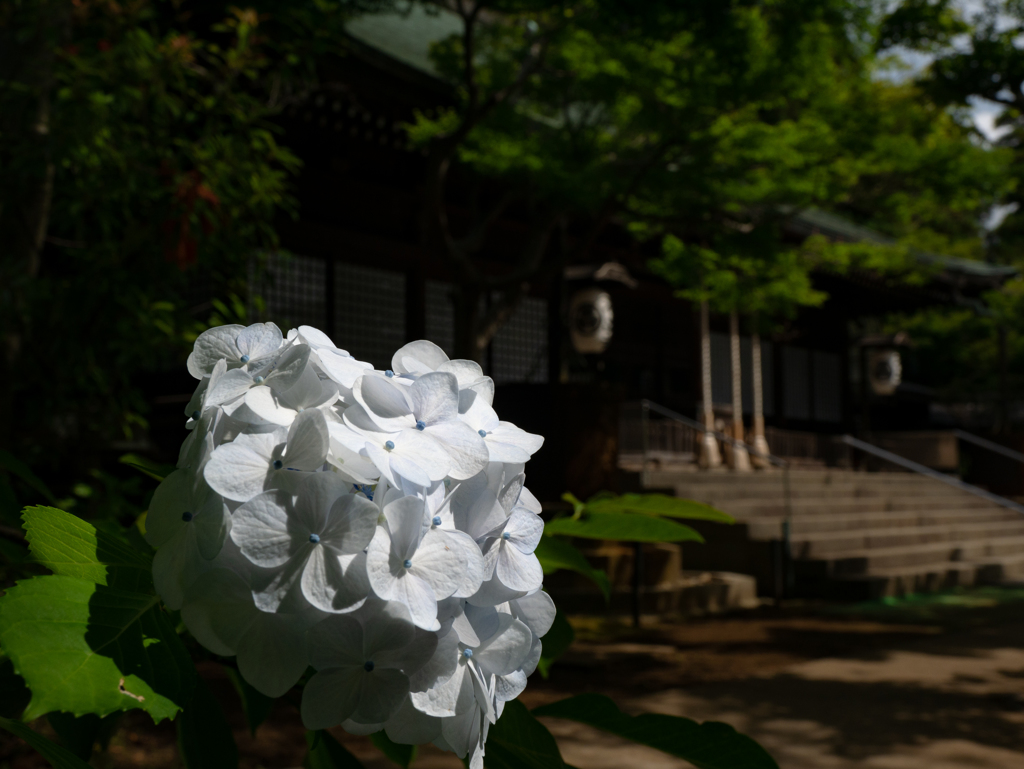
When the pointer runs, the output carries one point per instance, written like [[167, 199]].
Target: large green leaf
[[255, 704], [88, 648], [59, 757], [554, 554], [403, 755], [67, 545], [325, 752], [204, 736], [622, 526], [710, 745], [656, 504], [520, 741], [555, 643]]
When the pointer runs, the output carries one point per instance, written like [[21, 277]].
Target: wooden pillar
[[709, 453], [740, 459], [759, 441]]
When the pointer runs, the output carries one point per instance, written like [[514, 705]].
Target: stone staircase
[[852, 534]]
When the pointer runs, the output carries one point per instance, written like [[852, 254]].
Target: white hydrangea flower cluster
[[371, 524]]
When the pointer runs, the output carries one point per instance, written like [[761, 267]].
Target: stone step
[[996, 569], [744, 509], [770, 527], [822, 545], [878, 559], [901, 580], [740, 490]]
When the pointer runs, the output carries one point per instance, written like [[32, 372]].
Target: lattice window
[[369, 318], [519, 351], [294, 293], [440, 315], [796, 385], [828, 387]]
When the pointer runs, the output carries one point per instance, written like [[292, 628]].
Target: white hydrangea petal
[[467, 372], [263, 529], [445, 698], [240, 470], [381, 692], [316, 338], [473, 570], [492, 592], [342, 368], [227, 388], [212, 345], [419, 357], [360, 730], [482, 388], [211, 520], [259, 340], [308, 441], [484, 620], [351, 523], [480, 416], [172, 498], [176, 565], [524, 529], [382, 461], [408, 726], [385, 403], [504, 651], [331, 696], [272, 656], [463, 445], [267, 405], [273, 589], [336, 642], [509, 434], [437, 561], [463, 732], [533, 658], [529, 502], [536, 611], [287, 368], [386, 626], [511, 686], [510, 492], [419, 598], [405, 518], [218, 611], [441, 665], [435, 397], [335, 583], [518, 570]]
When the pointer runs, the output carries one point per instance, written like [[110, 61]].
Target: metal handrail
[[987, 444], [908, 464]]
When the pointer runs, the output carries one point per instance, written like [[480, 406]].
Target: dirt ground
[[913, 687]]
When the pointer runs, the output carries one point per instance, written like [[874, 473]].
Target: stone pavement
[[950, 701]]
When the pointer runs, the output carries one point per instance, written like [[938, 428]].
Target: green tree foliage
[[139, 158]]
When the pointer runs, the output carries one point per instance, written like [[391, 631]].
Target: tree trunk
[[709, 455], [739, 456], [759, 442]]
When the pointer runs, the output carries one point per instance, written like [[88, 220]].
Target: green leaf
[[403, 755], [554, 554], [710, 745], [622, 526], [69, 546], [16, 467], [325, 752], [255, 704], [87, 648], [204, 736], [154, 470], [59, 757], [555, 643], [520, 741], [656, 504]]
